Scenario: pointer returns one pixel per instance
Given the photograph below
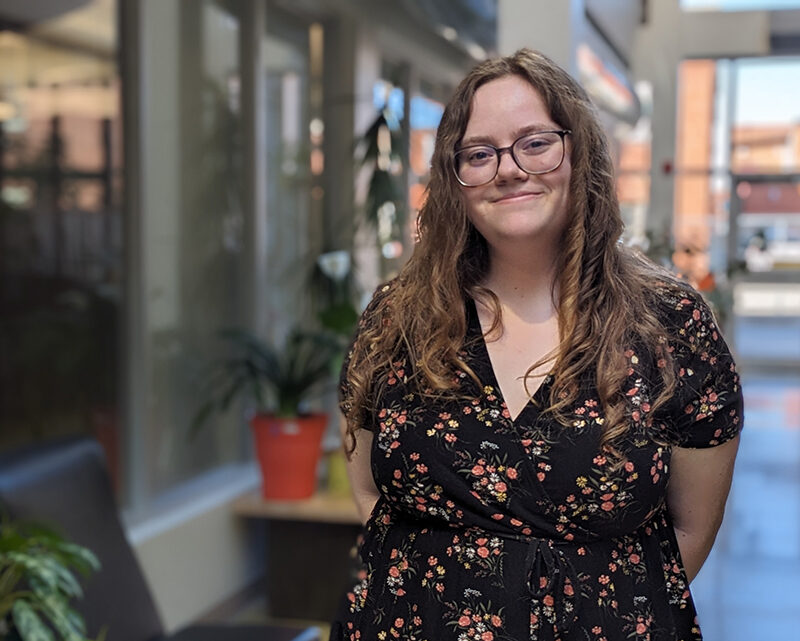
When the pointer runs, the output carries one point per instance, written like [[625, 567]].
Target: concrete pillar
[[657, 53], [554, 28]]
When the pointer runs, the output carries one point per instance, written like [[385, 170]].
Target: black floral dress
[[492, 529]]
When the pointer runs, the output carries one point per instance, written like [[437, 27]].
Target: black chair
[[64, 484]]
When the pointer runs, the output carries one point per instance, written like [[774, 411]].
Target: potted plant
[[278, 383], [38, 582]]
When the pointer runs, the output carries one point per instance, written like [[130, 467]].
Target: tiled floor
[[749, 589]]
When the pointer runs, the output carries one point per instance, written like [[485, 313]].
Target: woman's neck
[[523, 281]]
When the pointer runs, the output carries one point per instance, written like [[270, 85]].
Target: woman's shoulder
[[678, 304], [381, 300], [689, 322]]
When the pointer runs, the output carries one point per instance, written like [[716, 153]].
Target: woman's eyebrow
[[488, 140]]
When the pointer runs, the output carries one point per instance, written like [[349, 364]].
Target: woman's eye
[[479, 155], [533, 144]]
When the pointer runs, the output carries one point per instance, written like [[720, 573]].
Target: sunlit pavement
[[749, 589]]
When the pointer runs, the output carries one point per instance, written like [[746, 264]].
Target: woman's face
[[514, 206]]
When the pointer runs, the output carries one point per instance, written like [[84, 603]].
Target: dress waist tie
[[550, 572]]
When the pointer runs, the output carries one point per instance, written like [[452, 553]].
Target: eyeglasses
[[536, 153]]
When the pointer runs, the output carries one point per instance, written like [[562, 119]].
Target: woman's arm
[[359, 471], [700, 480]]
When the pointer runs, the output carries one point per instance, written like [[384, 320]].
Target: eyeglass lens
[[537, 153]]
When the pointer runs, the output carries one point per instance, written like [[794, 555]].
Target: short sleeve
[[706, 409], [374, 312]]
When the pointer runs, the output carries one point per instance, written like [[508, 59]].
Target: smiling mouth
[[518, 196]]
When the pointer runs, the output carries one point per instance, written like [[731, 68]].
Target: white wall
[[196, 553]]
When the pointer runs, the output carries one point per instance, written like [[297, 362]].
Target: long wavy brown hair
[[605, 291]]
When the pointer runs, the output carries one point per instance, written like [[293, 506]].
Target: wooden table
[[309, 552], [320, 508]]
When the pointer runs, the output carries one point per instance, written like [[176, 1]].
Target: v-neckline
[[535, 400]]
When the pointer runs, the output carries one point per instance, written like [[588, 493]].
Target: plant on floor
[[38, 582]]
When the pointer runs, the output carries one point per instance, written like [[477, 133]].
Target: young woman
[[542, 425]]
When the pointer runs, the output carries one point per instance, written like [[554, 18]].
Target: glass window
[[192, 245], [425, 116], [766, 129], [633, 171], [61, 242], [294, 217]]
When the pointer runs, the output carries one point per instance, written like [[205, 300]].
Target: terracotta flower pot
[[288, 450]]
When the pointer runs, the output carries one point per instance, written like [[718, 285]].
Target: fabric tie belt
[[550, 572]]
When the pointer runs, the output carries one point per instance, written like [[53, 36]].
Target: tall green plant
[[38, 582], [378, 152], [275, 381]]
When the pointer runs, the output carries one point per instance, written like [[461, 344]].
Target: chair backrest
[[64, 484]]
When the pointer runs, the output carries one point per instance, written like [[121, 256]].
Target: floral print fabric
[[490, 529]]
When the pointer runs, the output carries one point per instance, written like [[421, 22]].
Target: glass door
[[764, 254]]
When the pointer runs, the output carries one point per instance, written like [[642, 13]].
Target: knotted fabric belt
[[550, 572]]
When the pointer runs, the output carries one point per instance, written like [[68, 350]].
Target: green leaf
[[28, 623], [83, 559], [67, 623], [37, 568]]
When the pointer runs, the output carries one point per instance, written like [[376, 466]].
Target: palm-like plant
[[277, 382], [37, 583]]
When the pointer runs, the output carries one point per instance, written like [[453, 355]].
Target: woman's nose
[[507, 168]]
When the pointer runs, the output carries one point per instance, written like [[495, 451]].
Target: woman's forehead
[[504, 107]]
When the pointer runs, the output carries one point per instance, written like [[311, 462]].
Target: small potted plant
[[278, 383], [37, 583]]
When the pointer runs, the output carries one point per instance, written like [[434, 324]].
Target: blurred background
[[170, 168]]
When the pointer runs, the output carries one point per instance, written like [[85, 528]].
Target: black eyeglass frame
[[499, 152]]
